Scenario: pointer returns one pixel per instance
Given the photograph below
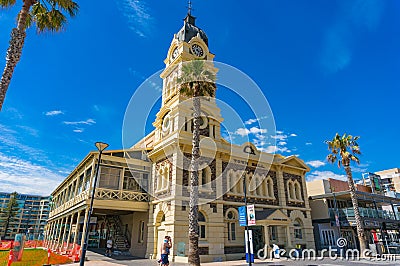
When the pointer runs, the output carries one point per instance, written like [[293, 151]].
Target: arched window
[[231, 218], [202, 225], [232, 181], [259, 185], [205, 178], [297, 190], [270, 188], [298, 229], [291, 193], [163, 177]]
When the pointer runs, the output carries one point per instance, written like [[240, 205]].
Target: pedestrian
[[109, 247], [275, 250], [165, 248]]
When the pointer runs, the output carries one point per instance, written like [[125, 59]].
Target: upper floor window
[[109, 177], [294, 190]]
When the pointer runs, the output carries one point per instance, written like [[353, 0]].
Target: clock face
[[197, 50], [175, 53]]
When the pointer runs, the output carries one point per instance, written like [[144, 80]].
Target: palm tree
[[9, 213], [47, 15], [344, 149], [196, 81]]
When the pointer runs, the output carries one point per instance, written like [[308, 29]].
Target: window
[[298, 233], [80, 183], [141, 232], [163, 177], [232, 219], [202, 226], [109, 177], [87, 178], [130, 182], [328, 237], [205, 178], [273, 232], [297, 190]]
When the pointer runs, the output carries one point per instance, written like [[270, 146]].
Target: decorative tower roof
[[190, 30]]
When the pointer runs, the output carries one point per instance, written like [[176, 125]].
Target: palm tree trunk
[[14, 51], [360, 228], [194, 256]]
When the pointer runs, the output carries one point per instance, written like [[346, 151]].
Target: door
[[160, 239], [258, 238]]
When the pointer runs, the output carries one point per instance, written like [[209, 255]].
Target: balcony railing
[[364, 212], [104, 193]]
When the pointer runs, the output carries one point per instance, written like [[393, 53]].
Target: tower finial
[[190, 8]]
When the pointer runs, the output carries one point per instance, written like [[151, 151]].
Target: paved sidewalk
[[95, 259]]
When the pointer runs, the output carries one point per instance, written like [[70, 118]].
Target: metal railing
[[364, 212]]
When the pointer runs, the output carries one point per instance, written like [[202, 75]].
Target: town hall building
[[142, 193]]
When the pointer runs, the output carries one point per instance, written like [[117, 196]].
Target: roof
[[190, 30], [360, 195]]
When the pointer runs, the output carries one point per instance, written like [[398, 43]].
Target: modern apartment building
[[31, 218], [333, 214]]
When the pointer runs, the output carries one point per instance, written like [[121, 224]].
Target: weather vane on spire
[[190, 8]]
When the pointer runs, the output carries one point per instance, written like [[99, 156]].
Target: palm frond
[[7, 3], [68, 6]]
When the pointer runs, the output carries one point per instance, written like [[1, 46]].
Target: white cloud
[[54, 112], [316, 163], [280, 137], [254, 130], [282, 143], [250, 121], [275, 149], [242, 132], [84, 122], [78, 130], [26, 177], [279, 132], [293, 135], [308, 143], [138, 16], [319, 175]]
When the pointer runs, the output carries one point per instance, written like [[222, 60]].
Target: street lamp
[[246, 227], [101, 146]]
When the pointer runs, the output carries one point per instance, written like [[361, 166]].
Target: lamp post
[[246, 227], [101, 146]]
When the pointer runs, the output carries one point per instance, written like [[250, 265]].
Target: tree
[[344, 150], [47, 15], [8, 214], [196, 81]]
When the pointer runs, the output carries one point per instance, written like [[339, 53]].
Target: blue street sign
[[242, 216]]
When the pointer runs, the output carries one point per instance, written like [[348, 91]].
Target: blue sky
[[324, 66]]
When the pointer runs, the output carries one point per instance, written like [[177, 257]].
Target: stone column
[[70, 229], [289, 238], [84, 226], [64, 233], [59, 240], [77, 228], [266, 238], [281, 186]]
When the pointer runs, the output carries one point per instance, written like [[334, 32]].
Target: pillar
[[77, 228], [84, 226], [266, 239], [70, 229], [289, 238], [64, 233], [59, 233]]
